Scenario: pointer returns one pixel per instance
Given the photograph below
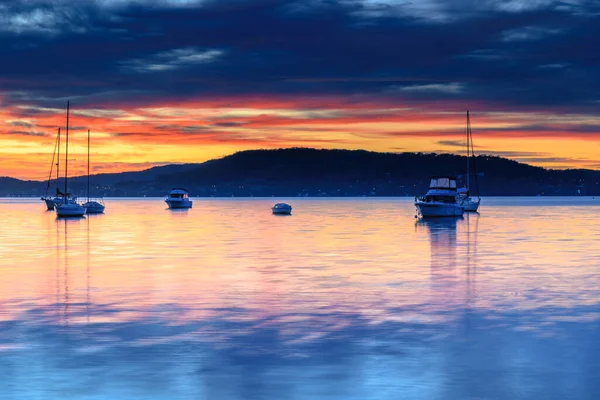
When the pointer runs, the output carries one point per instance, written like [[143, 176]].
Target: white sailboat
[[470, 204], [69, 207], [92, 206]]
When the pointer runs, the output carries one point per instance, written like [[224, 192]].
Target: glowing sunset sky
[[189, 80]]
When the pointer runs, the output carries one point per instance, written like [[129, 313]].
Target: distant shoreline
[[304, 172]]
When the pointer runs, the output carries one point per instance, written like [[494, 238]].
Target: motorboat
[[69, 206], [282, 209], [92, 206], [464, 198], [178, 198], [441, 200]]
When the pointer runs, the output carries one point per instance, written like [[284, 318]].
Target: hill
[[312, 172]]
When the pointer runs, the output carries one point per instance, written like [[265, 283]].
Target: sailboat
[[92, 207], [50, 201], [464, 197], [69, 207]]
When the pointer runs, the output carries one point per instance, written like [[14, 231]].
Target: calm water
[[345, 299]]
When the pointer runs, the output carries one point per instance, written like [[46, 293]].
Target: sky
[[174, 81]]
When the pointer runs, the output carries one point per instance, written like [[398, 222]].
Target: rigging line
[[468, 157], [88, 169], [67, 156], [58, 162], [474, 164], [51, 168]]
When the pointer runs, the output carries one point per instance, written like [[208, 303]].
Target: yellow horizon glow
[[130, 139]]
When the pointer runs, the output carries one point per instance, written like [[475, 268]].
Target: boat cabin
[[178, 193], [443, 182], [442, 189], [439, 198]]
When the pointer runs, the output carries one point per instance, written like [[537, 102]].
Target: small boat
[[441, 200], [92, 206], [178, 198], [282, 208], [69, 206], [464, 198]]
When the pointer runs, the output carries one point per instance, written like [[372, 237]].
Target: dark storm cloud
[[510, 52]]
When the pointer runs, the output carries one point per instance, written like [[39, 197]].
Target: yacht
[[282, 208], [464, 196], [69, 206], [178, 198], [441, 200]]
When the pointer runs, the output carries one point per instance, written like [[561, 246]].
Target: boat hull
[[50, 204], [69, 210], [433, 210], [178, 203], [281, 209], [470, 205], [282, 212]]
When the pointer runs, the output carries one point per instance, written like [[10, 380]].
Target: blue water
[[345, 299]]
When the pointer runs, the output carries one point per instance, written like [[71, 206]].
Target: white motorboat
[[92, 206], [69, 206], [282, 208], [440, 200], [178, 198], [469, 203]]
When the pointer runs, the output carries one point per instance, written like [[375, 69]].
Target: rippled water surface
[[345, 299]]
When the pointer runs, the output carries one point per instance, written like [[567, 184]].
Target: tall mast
[[67, 155], [468, 152], [88, 168], [474, 163], [58, 161]]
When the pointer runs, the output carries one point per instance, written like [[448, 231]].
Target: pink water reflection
[[339, 279]]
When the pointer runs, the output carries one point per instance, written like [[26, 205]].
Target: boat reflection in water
[[453, 264]]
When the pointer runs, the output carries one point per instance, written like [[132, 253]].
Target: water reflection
[[343, 303]]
